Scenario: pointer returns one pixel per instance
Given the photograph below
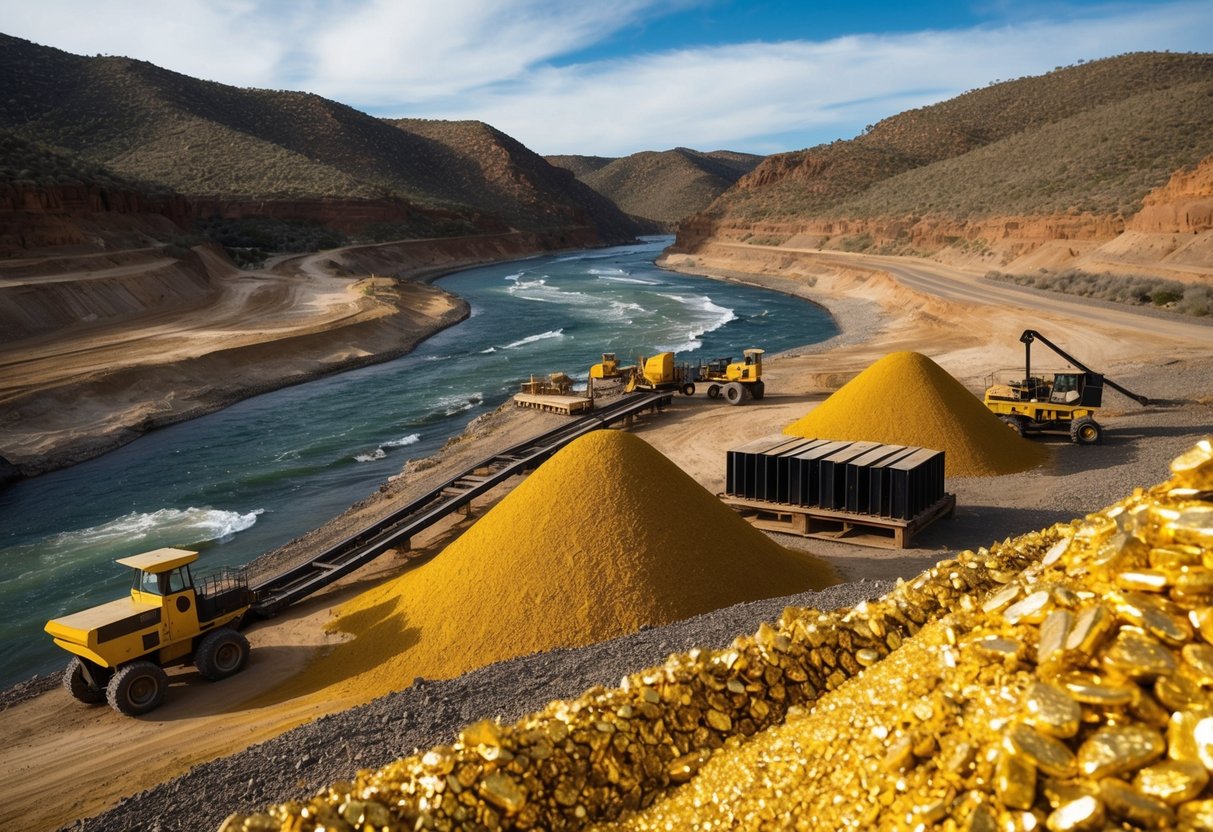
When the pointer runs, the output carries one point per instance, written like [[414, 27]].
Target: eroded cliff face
[[1183, 206], [35, 217], [1173, 230]]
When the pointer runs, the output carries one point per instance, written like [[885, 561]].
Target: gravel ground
[[299, 762]]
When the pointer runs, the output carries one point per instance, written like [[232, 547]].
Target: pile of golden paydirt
[[1060, 680], [605, 537], [907, 399]]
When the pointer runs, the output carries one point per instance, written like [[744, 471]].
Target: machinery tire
[[1085, 431], [688, 389], [713, 391], [221, 653], [734, 393], [1014, 423], [758, 389], [77, 684], [136, 688]]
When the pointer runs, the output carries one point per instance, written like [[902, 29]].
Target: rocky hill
[[237, 153], [661, 186], [993, 174]]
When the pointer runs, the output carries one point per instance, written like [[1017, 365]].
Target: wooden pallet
[[567, 405], [842, 526]]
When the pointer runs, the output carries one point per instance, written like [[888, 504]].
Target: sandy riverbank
[[123, 368], [878, 313]]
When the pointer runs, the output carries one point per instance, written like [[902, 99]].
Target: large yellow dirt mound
[[906, 398], [605, 537]]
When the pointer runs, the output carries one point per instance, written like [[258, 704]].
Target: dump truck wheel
[[1014, 423], [136, 688], [713, 391], [76, 682], [688, 389], [733, 392], [1085, 431], [221, 653], [758, 389]]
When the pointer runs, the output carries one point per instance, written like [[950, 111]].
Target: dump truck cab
[[165, 620]]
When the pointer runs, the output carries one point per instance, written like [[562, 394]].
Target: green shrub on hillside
[[1137, 290], [1094, 138]]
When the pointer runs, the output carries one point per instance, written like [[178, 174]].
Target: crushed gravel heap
[[1057, 680], [604, 538], [906, 398]]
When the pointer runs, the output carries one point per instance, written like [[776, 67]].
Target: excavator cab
[[1060, 402]]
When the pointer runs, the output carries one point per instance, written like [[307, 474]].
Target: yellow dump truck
[[119, 650]]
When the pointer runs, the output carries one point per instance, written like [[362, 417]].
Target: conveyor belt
[[396, 529]]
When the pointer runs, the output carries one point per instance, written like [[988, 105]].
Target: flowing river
[[249, 478]]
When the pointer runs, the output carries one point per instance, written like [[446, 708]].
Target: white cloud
[[389, 51], [232, 41], [739, 96], [495, 60]]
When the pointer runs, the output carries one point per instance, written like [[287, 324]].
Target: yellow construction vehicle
[[607, 368], [735, 380], [1059, 402], [120, 648]]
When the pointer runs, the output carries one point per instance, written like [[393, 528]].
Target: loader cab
[[752, 368]]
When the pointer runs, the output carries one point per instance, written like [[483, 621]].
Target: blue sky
[[611, 78]]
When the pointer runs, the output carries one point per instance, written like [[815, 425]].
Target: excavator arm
[[1030, 335]]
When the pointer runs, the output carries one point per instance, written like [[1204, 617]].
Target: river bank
[[88, 388]]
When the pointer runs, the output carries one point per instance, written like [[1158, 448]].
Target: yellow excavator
[[1060, 402]]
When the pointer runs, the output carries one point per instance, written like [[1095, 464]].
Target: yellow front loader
[[119, 649], [735, 380]]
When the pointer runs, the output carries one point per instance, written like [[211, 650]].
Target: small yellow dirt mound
[[907, 399], [606, 536]]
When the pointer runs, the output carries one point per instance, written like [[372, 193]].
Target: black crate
[[859, 476], [880, 489], [913, 482], [742, 464], [782, 491], [833, 474], [804, 470]]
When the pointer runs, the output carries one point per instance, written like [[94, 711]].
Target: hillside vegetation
[[32, 163], [215, 142], [662, 186], [1093, 137]]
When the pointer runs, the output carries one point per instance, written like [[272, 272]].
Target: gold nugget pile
[[1061, 681]]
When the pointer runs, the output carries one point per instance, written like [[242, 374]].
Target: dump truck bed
[[104, 622]]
